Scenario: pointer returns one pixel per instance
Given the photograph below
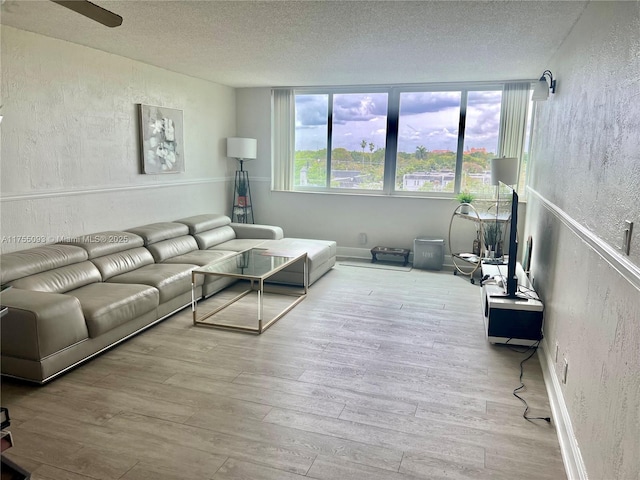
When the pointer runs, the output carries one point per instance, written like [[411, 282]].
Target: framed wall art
[[161, 139]]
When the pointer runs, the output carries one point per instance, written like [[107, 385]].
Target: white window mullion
[[391, 152], [460, 151]]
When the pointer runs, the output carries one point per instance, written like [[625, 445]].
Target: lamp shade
[[541, 90], [244, 148], [504, 170]]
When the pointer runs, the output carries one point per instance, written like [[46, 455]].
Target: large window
[[397, 140]]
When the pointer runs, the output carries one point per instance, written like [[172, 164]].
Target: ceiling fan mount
[[92, 11]]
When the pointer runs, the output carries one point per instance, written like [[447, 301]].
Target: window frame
[[391, 146]]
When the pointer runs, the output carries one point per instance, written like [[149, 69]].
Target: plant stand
[[242, 207]]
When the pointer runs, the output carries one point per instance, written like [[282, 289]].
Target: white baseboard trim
[[571, 456]]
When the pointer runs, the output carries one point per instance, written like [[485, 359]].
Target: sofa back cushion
[[211, 238], [173, 247], [122, 262], [61, 279], [23, 263], [106, 243], [156, 232], [202, 223]]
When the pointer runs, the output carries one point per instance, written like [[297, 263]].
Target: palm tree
[[371, 148], [363, 144], [421, 152]]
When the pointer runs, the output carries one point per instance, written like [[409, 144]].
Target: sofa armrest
[[248, 230], [39, 324]]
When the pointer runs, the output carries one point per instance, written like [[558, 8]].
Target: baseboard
[[571, 456]]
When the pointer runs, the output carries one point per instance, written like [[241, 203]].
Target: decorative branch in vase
[[492, 240]]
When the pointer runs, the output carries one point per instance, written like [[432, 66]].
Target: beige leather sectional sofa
[[70, 301]]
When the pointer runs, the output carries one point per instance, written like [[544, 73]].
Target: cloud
[[483, 119], [490, 97], [311, 110], [413, 103], [429, 119], [359, 107]]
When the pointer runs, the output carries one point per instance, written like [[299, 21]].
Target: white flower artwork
[[162, 135]]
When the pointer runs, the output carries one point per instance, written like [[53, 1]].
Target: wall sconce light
[[541, 90]]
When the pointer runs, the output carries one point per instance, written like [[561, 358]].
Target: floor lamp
[[242, 149], [503, 170]]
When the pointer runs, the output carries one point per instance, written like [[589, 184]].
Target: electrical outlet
[[557, 349], [565, 369]]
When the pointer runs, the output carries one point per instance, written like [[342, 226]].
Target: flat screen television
[[511, 282]]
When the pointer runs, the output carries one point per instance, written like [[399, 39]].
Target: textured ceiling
[[299, 43]]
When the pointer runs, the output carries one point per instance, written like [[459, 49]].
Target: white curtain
[[513, 119], [283, 138]]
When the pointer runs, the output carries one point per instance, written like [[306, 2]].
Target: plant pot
[[242, 201], [464, 208]]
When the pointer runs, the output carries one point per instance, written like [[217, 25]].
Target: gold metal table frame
[[255, 265]]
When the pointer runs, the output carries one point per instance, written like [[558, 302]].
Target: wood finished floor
[[377, 374]]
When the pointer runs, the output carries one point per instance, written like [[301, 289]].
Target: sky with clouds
[[429, 119]]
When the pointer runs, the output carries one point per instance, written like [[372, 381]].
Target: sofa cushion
[[200, 257], [60, 280], [238, 244], [211, 238], [105, 243], [318, 251], [167, 249], [156, 232], [109, 305], [123, 262], [170, 279], [250, 230], [40, 259], [202, 223], [321, 255], [40, 324]]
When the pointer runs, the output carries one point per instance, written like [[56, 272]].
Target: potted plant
[[465, 198], [241, 189], [493, 239]]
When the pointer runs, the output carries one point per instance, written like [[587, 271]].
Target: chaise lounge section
[[70, 301]]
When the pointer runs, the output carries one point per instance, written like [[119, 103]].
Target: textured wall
[[586, 172], [588, 138], [70, 147]]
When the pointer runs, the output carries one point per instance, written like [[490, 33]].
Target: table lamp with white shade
[[503, 170]]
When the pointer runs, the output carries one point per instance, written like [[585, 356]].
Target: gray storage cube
[[428, 253]]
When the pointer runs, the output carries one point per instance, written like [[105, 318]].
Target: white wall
[[70, 161], [387, 221], [585, 182]]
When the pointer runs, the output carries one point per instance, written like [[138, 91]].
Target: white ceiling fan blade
[[92, 11]]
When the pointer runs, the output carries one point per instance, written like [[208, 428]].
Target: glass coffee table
[[255, 265]]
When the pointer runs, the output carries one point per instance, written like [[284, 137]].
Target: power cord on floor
[[522, 386]]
